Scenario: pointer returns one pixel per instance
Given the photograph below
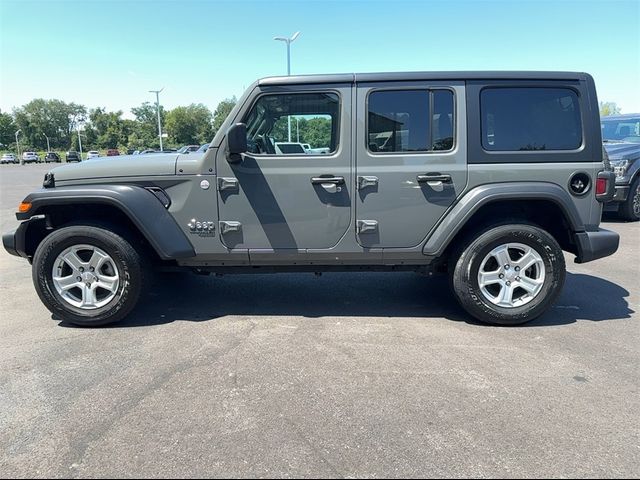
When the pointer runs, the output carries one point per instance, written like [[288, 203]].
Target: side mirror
[[236, 142]]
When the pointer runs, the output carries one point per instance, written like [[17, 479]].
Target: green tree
[[110, 129], [609, 108], [318, 132], [54, 118], [189, 125], [222, 112], [147, 124], [7, 129]]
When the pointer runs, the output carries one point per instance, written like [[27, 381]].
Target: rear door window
[[410, 121]]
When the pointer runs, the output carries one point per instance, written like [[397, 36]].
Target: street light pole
[[157, 92], [79, 140], [18, 143], [48, 147], [288, 41]]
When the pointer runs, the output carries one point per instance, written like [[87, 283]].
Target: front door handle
[[328, 179], [434, 177]]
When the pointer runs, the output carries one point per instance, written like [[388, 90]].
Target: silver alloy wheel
[[636, 202], [511, 275], [85, 276]]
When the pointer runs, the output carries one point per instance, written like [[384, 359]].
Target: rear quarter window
[[530, 119]]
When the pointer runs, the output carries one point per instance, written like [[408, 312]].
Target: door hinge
[[227, 183], [367, 226], [226, 227], [366, 181]]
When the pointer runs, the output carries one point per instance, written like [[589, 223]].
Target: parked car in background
[[52, 157], [30, 157], [72, 156], [321, 150], [8, 158], [203, 148], [188, 148], [164, 150], [113, 152], [92, 154], [621, 137], [288, 148]]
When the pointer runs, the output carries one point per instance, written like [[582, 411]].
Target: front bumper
[[596, 244], [622, 192], [18, 243]]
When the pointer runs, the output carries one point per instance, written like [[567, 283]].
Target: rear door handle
[[328, 179], [434, 177]]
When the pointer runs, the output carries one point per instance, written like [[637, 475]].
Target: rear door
[[410, 159], [282, 197]]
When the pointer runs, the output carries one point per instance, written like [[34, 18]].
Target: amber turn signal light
[[24, 207]]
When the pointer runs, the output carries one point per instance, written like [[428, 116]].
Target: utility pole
[[157, 92], [79, 140], [48, 147], [18, 144], [288, 41]]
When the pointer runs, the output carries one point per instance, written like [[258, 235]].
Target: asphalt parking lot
[[345, 375]]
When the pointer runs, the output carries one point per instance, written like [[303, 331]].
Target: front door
[[292, 191], [410, 161]]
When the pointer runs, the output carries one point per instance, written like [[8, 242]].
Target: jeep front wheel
[[509, 275], [87, 275]]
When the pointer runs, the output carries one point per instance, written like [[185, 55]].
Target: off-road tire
[[464, 273], [129, 263]]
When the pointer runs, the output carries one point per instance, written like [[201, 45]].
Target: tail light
[[605, 186]]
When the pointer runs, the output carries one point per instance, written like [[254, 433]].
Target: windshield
[[621, 129]]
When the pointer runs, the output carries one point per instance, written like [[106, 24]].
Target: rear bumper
[[597, 244]]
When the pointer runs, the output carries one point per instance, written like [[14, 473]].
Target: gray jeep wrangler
[[486, 176]]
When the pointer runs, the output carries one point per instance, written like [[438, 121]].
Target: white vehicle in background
[[306, 147], [289, 148], [316, 151], [30, 157], [8, 158], [92, 154]]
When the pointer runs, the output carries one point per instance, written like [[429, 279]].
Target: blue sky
[[110, 53]]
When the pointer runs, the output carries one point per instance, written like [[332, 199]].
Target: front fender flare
[[141, 206]]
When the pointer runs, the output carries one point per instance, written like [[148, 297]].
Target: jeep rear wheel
[[509, 275], [87, 275]]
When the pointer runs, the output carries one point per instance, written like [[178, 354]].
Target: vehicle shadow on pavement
[[188, 297], [586, 297]]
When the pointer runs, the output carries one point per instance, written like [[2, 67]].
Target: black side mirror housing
[[236, 142]]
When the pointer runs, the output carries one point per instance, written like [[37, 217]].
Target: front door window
[[294, 124]]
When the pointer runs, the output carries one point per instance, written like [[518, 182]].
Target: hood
[[623, 151], [120, 166]]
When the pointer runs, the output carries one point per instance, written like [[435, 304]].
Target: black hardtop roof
[[410, 76]]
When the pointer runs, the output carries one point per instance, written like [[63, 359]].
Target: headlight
[[620, 167]]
